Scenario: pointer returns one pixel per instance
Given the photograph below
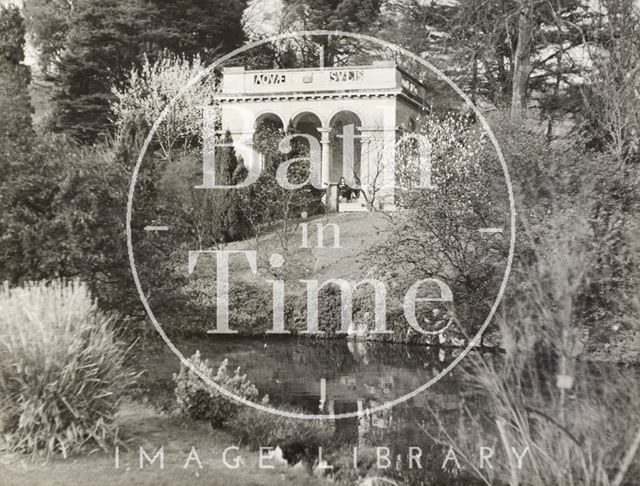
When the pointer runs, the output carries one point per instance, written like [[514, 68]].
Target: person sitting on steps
[[347, 192]]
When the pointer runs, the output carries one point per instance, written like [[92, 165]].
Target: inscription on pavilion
[[341, 76], [269, 78], [348, 75]]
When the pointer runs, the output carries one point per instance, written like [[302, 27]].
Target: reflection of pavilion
[[380, 100]]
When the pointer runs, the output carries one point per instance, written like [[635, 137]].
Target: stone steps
[[352, 207]]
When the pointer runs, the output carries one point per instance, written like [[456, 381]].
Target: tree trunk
[[474, 79], [522, 59]]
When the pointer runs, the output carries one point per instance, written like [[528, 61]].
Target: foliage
[[204, 210], [566, 193], [106, 39], [584, 439], [193, 27], [15, 101], [612, 92], [579, 435], [61, 370], [12, 40], [65, 217], [199, 401], [149, 88], [63, 206], [558, 189], [435, 234], [41, 225], [266, 204], [250, 308], [493, 49], [103, 43], [186, 27], [342, 15], [298, 439], [345, 15], [213, 216], [262, 19], [561, 301], [48, 24]]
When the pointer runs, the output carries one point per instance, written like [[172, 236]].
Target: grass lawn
[[358, 233], [141, 426]]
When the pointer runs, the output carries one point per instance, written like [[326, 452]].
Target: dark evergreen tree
[[357, 16], [206, 27], [16, 131], [230, 222], [209, 216], [106, 39], [15, 102]]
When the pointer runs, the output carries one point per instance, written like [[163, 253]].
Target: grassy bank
[[351, 242], [141, 426]]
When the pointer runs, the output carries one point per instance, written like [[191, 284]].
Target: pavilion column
[[366, 158], [326, 155]]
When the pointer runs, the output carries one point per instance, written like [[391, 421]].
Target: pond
[[337, 376], [342, 376]]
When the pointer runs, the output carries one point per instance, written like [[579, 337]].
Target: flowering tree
[[152, 86], [435, 231]]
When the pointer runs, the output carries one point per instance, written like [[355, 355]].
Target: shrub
[[250, 307], [61, 369], [212, 216], [199, 401], [297, 438], [435, 233], [62, 215]]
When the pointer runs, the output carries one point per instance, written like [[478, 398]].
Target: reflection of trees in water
[[330, 357], [362, 373], [360, 370], [397, 354], [346, 430], [404, 426], [372, 373], [414, 426]]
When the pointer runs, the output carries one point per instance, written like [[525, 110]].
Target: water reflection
[[358, 376]]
